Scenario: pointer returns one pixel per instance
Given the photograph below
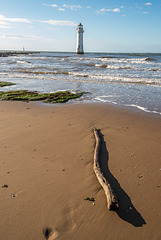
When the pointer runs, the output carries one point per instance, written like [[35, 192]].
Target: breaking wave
[[145, 109]]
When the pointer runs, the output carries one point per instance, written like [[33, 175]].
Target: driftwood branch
[[112, 202]]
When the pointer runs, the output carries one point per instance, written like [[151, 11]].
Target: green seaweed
[[24, 95], [4, 84]]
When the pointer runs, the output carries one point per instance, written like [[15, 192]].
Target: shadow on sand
[[127, 211]]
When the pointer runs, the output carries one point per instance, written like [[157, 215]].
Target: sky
[[109, 25]]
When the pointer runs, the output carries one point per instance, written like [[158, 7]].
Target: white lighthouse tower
[[80, 31]]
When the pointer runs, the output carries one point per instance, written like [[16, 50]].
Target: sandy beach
[[46, 172]]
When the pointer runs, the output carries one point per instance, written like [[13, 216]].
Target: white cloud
[[148, 4], [88, 7], [64, 5], [18, 20], [61, 9], [145, 12], [5, 21], [59, 23], [17, 36], [4, 24], [75, 7], [116, 10], [54, 5], [50, 5], [71, 7], [103, 10]]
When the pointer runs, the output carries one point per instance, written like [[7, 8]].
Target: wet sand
[[46, 172]]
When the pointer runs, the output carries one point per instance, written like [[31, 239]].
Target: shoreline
[[84, 100], [78, 102], [47, 172]]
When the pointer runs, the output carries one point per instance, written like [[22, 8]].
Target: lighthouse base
[[79, 52]]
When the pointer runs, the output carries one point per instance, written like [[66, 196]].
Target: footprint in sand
[[54, 235], [64, 225], [50, 234]]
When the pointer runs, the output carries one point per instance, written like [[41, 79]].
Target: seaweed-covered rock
[[150, 59], [24, 95], [4, 84]]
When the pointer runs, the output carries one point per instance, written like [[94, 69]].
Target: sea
[[130, 80]]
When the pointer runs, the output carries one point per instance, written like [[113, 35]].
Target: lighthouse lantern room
[[80, 31]]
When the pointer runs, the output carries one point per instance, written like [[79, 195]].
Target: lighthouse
[[80, 31]]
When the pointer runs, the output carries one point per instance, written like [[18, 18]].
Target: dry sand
[[46, 172]]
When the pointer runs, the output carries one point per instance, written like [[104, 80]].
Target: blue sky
[[110, 26]]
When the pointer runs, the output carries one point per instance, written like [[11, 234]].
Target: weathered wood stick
[[112, 202]]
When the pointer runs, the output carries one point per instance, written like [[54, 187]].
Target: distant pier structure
[[80, 31]]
